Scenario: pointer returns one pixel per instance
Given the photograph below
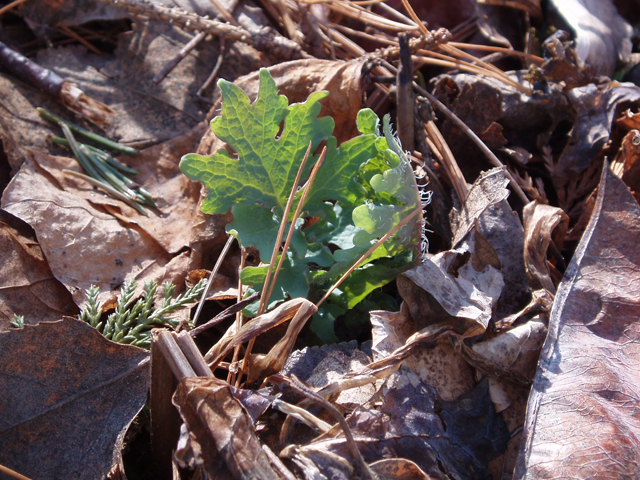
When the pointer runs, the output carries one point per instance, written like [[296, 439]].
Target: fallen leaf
[[501, 227], [575, 173], [626, 164], [602, 35], [222, 427], [27, 286], [489, 189], [406, 420], [71, 230], [68, 397], [438, 366], [459, 286], [545, 226], [582, 417]]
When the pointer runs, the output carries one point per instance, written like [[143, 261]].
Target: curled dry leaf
[[221, 427], [459, 287], [582, 419], [298, 310], [627, 164], [27, 286], [489, 189], [603, 36], [596, 110], [439, 365], [502, 228], [515, 351], [545, 228], [68, 396]]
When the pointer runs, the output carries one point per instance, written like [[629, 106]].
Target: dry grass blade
[[296, 215], [358, 13], [283, 224], [492, 48], [217, 266], [449, 162], [8, 471], [6, 8]]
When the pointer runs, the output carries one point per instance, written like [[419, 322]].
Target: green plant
[[362, 190], [131, 323], [17, 321]]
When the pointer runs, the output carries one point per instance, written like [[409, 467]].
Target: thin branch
[[263, 39]]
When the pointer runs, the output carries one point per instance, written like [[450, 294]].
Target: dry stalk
[[268, 285], [449, 162], [283, 224], [296, 215], [263, 39], [217, 266], [369, 252]]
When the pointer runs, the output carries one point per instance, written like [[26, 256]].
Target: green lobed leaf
[[362, 190], [266, 166]]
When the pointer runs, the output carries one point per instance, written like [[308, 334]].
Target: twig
[[263, 39], [232, 377], [214, 72], [361, 466], [405, 100], [53, 84], [193, 43]]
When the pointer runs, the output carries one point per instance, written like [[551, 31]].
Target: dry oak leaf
[[68, 397], [582, 418]]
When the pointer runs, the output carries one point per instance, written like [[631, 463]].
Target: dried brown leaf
[[68, 397], [72, 230], [459, 287], [27, 286], [489, 189], [582, 417], [543, 226], [221, 427], [439, 366], [596, 109]]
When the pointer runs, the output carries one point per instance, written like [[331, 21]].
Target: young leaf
[[266, 166], [363, 189]]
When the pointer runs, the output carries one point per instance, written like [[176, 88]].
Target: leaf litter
[[441, 392]]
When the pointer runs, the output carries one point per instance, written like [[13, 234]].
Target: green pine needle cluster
[[131, 322]]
